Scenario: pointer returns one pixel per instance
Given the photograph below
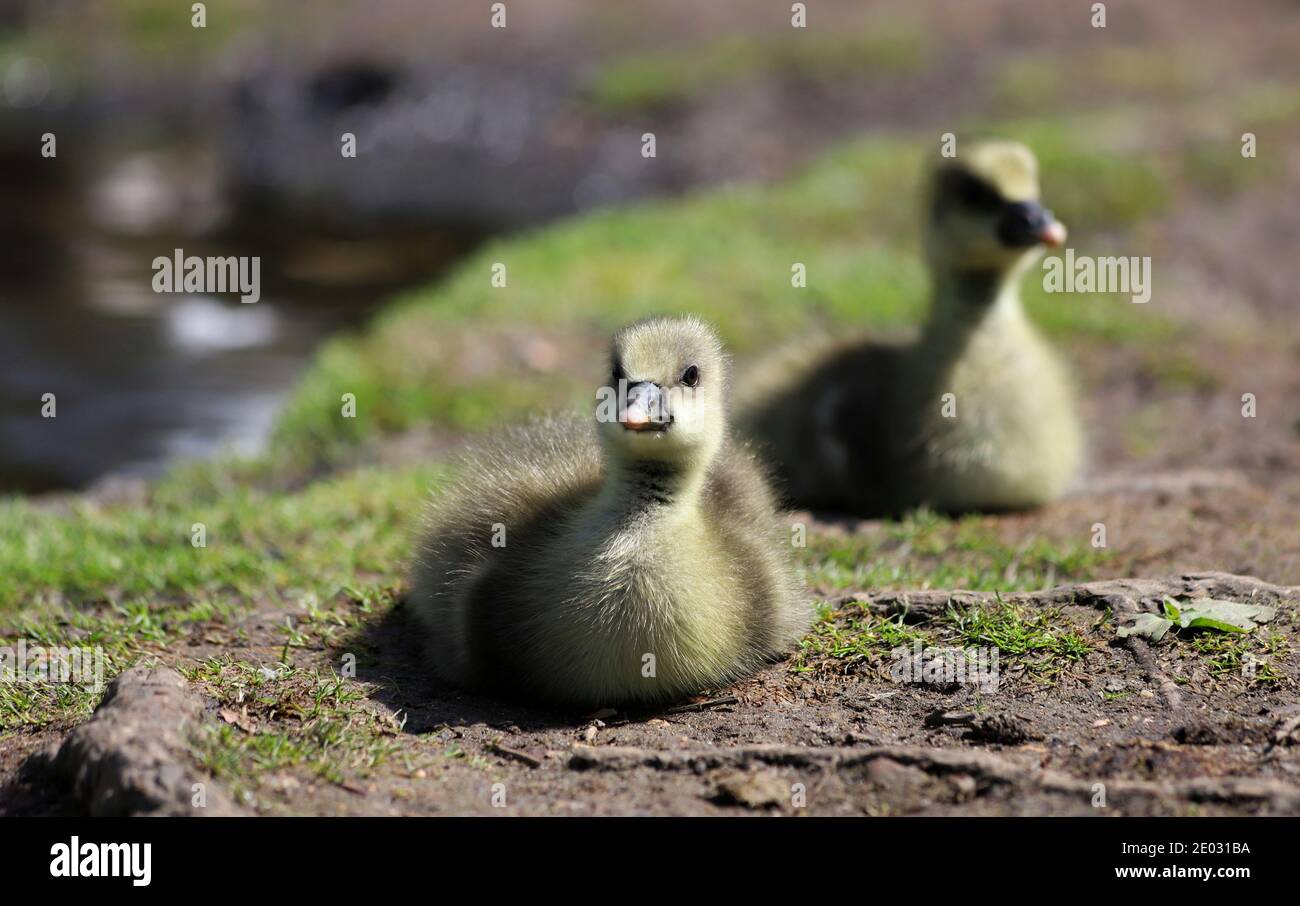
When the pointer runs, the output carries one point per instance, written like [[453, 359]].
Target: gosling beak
[[1053, 235], [646, 408], [1027, 223]]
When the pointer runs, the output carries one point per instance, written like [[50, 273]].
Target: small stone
[[132, 756], [752, 789], [889, 774]]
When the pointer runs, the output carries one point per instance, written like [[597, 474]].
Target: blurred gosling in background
[[976, 414], [640, 560]]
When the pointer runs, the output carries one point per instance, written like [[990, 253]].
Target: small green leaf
[[1148, 625], [1207, 623], [1226, 616], [1198, 613], [1171, 609]]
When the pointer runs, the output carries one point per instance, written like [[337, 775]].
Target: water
[[139, 378]]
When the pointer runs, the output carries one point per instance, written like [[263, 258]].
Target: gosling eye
[[691, 376], [617, 372]]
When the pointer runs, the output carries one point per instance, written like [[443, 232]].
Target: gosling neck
[[967, 301], [639, 488]]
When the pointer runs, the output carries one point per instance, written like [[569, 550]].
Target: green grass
[[127, 579], [852, 635], [305, 720], [656, 80], [843, 640], [1043, 638], [157, 29], [1182, 370], [1014, 632], [925, 550], [33, 706], [259, 543], [288, 717], [144, 33], [1226, 654]]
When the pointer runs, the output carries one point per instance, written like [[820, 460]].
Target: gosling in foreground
[[975, 414], [634, 561]]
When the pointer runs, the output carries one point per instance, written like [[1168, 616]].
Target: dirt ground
[[1129, 729]]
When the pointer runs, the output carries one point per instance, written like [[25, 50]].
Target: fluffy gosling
[[975, 414], [635, 561]]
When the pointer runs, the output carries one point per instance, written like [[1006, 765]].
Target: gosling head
[[985, 215], [666, 398]]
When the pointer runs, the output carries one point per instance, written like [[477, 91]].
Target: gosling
[[631, 562], [975, 414]]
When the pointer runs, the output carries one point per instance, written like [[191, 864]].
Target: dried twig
[[531, 760], [700, 706]]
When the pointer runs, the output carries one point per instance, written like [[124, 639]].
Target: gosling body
[[975, 413], [607, 565]]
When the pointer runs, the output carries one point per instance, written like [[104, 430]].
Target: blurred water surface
[[140, 378]]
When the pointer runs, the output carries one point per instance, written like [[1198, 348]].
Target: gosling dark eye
[[617, 373], [691, 376]]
